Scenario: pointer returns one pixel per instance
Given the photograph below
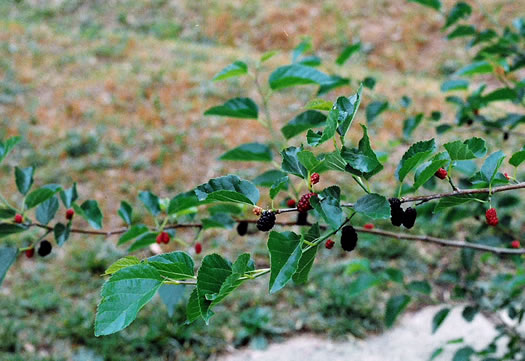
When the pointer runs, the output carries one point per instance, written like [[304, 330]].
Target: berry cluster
[[492, 217], [304, 203], [399, 217], [163, 237], [348, 238], [266, 221], [441, 173]]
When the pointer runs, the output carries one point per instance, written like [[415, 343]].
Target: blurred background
[[110, 94]]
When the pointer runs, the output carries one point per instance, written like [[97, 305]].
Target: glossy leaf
[[7, 146], [61, 233], [414, 156], [236, 108], [249, 152], [285, 253], [69, 196], [460, 11], [329, 207], [143, 241], [268, 178], [132, 233], [212, 274], [7, 258], [374, 109], [438, 318], [410, 124], [9, 228], [302, 122], [347, 52], [517, 158], [454, 201], [429, 169], [374, 206], [291, 163], [24, 179], [362, 161], [229, 188], [126, 212], [174, 265], [454, 84], [183, 202], [151, 201], [235, 69], [469, 149], [307, 258], [319, 104], [479, 67], [295, 74], [491, 165], [90, 211], [347, 109], [40, 195], [334, 83], [280, 185], [116, 266], [394, 307], [47, 210], [123, 295]]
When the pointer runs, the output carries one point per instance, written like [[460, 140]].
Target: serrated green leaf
[[151, 201], [7, 258], [235, 69], [414, 156], [224, 221], [490, 168], [122, 263], [8, 228], [242, 265], [90, 211], [460, 11], [374, 109], [374, 206], [278, 186], [143, 241], [517, 158], [40, 195], [268, 178], [468, 149], [454, 201], [362, 161], [174, 265], [24, 179], [212, 274], [429, 169], [171, 295], [249, 152], [319, 104], [235, 108], [229, 188], [347, 109], [334, 83], [7, 147], [193, 310], [307, 258], [291, 163], [285, 253], [183, 202], [479, 67], [310, 162], [61, 233], [126, 212], [132, 233], [295, 74], [394, 307], [302, 122], [69, 196], [329, 207], [47, 210], [123, 295], [502, 94]]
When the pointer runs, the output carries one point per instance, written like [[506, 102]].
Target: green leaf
[[6, 213], [122, 263], [229, 188], [462, 30], [69, 196], [479, 67], [291, 163], [347, 53], [469, 312], [410, 124], [333, 161], [236, 108], [454, 84], [269, 54], [489, 169], [312, 60], [90, 211], [242, 265], [151, 201], [213, 273], [171, 295], [394, 275], [249, 152], [47, 210], [329, 207], [123, 295], [279, 185], [143, 241], [224, 221], [304, 121], [8, 228], [61, 233], [454, 201], [285, 253], [237, 68], [434, 4], [414, 156], [460, 11], [436, 353], [502, 94], [319, 104], [463, 354], [40, 195], [7, 147], [517, 158], [469, 149], [429, 169], [394, 307], [438, 318], [295, 74], [268, 178], [24, 179], [125, 212], [347, 109], [310, 162], [174, 265], [362, 283], [374, 109], [304, 46], [132, 233], [7, 258], [420, 287], [314, 139], [334, 83], [183, 202], [363, 160], [307, 258], [374, 206], [193, 309], [358, 265]]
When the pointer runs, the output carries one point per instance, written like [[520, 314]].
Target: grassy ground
[[112, 96]]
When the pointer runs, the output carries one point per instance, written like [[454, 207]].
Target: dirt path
[[410, 340]]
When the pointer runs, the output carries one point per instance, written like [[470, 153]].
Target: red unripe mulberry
[[304, 202], [291, 203], [198, 247], [329, 244], [30, 252], [314, 178], [369, 226], [515, 244], [441, 173], [492, 217], [69, 214], [163, 237], [19, 218]]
